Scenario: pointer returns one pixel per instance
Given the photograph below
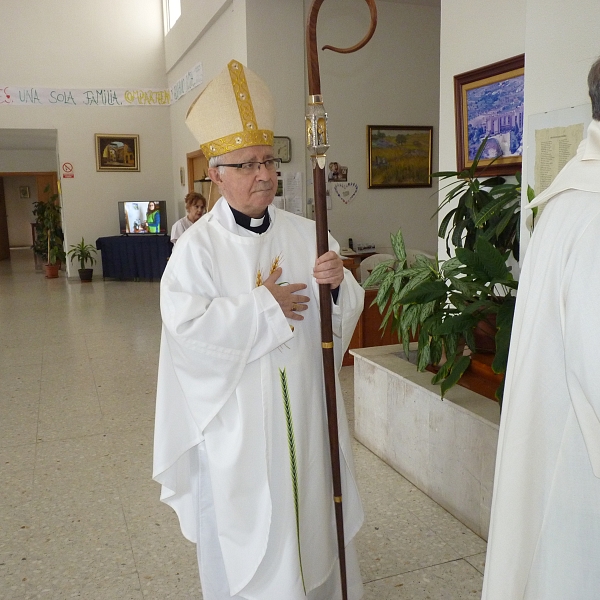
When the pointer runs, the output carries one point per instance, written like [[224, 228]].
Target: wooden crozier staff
[[317, 142]]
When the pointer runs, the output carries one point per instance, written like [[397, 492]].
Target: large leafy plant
[[49, 238], [490, 209], [442, 304]]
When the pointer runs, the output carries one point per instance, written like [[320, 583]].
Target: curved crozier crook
[[314, 79], [365, 40]]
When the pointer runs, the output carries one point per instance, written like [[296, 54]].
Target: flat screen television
[[145, 218]]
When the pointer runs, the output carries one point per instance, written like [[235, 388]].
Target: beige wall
[[560, 46], [83, 44], [393, 80], [471, 37], [560, 42], [223, 41]]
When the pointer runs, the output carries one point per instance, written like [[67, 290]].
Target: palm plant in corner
[[489, 208]]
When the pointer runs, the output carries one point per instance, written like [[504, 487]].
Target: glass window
[[172, 9]]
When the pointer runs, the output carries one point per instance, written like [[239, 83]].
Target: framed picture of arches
[[117, 152], [489, 104]]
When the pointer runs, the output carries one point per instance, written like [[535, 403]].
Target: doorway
[[28, 165], [198, 179], [18, 193]]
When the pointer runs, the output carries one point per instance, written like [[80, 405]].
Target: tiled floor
[[79, 513]]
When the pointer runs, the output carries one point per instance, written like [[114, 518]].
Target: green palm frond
[[293, 460]]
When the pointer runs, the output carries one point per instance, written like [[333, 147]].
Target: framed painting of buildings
[[489, 104], [117, 152], [399, 156]]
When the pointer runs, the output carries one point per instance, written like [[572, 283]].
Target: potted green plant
[[442, 305], [49, 238], [84, 253], [490, 209], [467, 301]]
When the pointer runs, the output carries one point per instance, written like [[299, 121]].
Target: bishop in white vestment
[[241, 441], [544, 541]]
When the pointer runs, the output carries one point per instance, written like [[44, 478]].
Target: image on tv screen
[[143, 217]]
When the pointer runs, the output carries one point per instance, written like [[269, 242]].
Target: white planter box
[[447, 448]]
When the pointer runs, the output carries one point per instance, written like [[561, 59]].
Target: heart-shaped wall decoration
[[346, 192]]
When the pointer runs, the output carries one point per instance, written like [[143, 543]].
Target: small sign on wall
[[67, 171]]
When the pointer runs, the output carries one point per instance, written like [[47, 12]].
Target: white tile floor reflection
[[79, 514]]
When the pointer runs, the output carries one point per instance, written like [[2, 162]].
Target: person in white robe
[[241, 443], [195, 207], [544, 541]]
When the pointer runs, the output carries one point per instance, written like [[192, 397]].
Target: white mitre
[[235, 110]]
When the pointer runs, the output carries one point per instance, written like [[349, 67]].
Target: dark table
[[141, 256]]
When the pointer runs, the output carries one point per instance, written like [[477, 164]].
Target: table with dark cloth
[[134, 256]]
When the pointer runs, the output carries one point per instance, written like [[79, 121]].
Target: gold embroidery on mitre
[[235, 141], [242, 95]]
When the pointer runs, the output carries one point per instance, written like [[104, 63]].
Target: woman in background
[[153, 218], [195, 207]]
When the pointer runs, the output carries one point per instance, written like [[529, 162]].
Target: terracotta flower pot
[[51, 271], [485, 335]]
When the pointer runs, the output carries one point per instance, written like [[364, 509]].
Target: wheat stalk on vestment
[[293, 462]]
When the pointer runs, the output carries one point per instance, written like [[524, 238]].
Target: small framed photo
[[24, 192], [489, 103], [399, 156], [117, 152]]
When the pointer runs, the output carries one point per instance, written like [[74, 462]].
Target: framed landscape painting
[[489, 103], [399, 156], [117, 152]]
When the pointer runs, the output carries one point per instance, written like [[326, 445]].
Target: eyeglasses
[[271, 164]]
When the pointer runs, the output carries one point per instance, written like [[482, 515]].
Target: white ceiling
[[27, 139]]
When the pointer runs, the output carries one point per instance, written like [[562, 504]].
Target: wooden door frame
[[36, 174], [190, 167]]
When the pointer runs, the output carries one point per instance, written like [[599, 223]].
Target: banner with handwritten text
[[41, 96]]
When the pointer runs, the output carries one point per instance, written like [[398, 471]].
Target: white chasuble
[[544, 541], [236, 375]]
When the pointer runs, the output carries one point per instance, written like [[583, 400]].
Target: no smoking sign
[[67, 171]]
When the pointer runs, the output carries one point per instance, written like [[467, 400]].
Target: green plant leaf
[[425, 274], [504, 321], [460, 366], [500, 393], [383, 293], [445, 223], [423, 355], [378, 274], [491, 209], [455, 324], [426, 292], [493, 182], [435, 350], [399, 247]]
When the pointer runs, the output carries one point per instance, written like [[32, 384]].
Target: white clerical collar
[[257, 222]]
